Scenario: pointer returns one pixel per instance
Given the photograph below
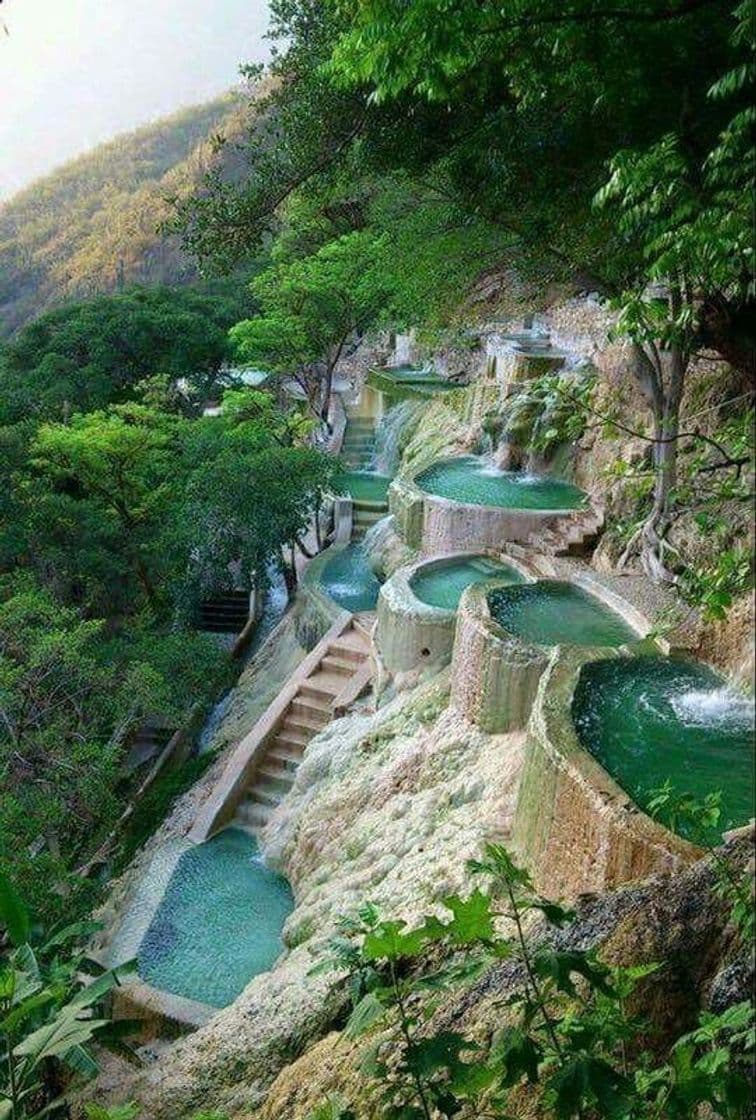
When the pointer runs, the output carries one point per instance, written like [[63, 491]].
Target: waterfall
[[276, 602], [388, 435]]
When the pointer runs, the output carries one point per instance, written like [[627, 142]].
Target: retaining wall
[[574, 828]]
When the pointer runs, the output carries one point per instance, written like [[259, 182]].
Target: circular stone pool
[[649, 719], [473, 480], [441, 583], [365, 486], [219, 922], [348, 579], [551, 613]]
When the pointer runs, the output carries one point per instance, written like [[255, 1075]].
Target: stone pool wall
[[574, 828], [411, 633], [494, 675]]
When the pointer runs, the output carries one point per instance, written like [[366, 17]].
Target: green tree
[[49, 1007], [310, 310], [87, 355], [119, 470]]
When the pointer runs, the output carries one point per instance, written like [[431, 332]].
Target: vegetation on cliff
[[92, 226]]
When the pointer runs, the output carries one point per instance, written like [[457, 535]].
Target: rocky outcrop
[[387, 807], [676, 920]]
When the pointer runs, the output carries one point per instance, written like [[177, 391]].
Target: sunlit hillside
[[92, 225]]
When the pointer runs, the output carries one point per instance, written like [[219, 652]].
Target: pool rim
[[404, 576], [587, 506], [551, 730]]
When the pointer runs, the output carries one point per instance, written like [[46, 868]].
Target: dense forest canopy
[[609, 146]]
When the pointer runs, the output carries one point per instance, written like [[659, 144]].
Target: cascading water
[[276, 602], [391, 429]]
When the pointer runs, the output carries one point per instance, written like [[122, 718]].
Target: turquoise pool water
[[552, 613], [472, 479], [363, 485], [425, 378], [219, 923], [647, 719], [442, 584], [349, 580]]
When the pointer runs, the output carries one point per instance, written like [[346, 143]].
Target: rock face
[[386, 807], [677, 919]]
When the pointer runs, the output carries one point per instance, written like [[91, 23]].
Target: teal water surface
[[365, 486], [428, 378], [649, 719], [552, 613], [219, 923], [348, 579], [442, 584], [472, 479]]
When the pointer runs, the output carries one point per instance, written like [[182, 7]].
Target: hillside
[[93, 223]]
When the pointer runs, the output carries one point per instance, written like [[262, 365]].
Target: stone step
[[322, 683], [289, 739], [284, 756], [351, 640], [339, 664], [266, 793], [275, 776], [252, 814], [319, 715], [301, 725]]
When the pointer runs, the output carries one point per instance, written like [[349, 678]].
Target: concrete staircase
[[227, 613], [365, 515], [358, 447], [574, 534], [340, 668]]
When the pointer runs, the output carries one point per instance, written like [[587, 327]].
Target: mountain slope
[[93, 224]]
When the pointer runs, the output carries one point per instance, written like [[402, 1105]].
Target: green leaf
[[13, 914], [388, 942], [57, 1037], [585, 1081], [560, 966], [473, 920], [368, 1011], [94, 991], [519, 1054], [439, 1052]]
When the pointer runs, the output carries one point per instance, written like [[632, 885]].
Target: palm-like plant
[[48, 1011]]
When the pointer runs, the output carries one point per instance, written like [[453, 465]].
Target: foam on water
[[709, 707], [650, 719], [478, 480]]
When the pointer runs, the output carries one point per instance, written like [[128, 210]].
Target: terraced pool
[[348, 579], [219, 922], [551, 613], [472, 479], [649, 719], [441, 584]]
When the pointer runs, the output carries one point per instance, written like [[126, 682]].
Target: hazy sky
[[75, 72]]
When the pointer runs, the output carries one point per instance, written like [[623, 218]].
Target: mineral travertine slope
[[386, 807]]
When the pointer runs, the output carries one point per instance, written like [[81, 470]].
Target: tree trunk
[[325, 405], [289, 568], [666, 431], [147, 585]]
